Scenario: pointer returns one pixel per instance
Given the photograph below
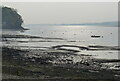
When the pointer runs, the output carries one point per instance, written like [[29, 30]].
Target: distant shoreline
[[102, 24]]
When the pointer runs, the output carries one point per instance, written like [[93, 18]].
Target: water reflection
[[47, 36]]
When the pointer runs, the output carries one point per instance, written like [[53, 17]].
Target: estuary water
[[80, 34], [76, 35]]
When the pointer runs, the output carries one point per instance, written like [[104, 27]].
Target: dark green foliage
[[11, 19]]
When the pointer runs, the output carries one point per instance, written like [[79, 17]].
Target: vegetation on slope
[[11, 19]]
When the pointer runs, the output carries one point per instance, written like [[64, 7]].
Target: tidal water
[[70, 35], [80, 34]]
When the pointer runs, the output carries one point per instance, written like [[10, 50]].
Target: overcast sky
[[65, 12]]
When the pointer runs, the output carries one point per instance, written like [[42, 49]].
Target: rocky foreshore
[[42, 64], [56, 62]]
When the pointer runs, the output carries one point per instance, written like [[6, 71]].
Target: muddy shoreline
[[56, 62], [15, 58]]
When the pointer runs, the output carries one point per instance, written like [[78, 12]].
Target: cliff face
[[11, 19]]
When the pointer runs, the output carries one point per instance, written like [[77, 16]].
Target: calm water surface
[[72, 35]]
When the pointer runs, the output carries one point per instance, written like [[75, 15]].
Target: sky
[[65, 12]]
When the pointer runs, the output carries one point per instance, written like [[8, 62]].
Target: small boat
[[95, 36]]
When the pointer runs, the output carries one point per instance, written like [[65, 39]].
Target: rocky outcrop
[[11, 19]]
